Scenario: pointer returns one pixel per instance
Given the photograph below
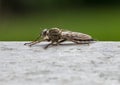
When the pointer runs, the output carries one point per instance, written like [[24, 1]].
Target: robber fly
[[57, 36]]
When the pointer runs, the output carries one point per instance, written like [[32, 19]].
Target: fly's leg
[[48, 45], [57, 42], [63, 40], [34, 42], [30, 43]]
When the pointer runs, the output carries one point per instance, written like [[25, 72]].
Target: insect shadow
[[66, 44]]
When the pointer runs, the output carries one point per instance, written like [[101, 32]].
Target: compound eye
[[44, 32]]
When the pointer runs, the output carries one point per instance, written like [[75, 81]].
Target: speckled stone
[[66, 64]]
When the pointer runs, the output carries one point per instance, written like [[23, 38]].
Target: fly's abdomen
[[77, 37]]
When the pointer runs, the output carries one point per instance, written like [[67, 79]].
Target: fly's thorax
[[54, 31], [54, 34]]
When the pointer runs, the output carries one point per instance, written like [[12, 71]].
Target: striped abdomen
[[77, 37]]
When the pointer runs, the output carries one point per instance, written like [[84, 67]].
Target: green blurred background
[[23, 20]]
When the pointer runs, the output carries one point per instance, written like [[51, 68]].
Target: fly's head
[[44, 34]]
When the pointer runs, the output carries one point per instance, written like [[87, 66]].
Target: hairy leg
[[36, 40], [63, 40], [33, 42], [48, 45]]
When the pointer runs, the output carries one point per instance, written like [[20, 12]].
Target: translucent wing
[[76, 36]]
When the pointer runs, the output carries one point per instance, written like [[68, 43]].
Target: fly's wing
[[81, 36], [76, 36]]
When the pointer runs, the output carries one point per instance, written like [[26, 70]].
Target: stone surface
[[66, 64]]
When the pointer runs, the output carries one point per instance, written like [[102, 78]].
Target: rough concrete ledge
[[66, 64]]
